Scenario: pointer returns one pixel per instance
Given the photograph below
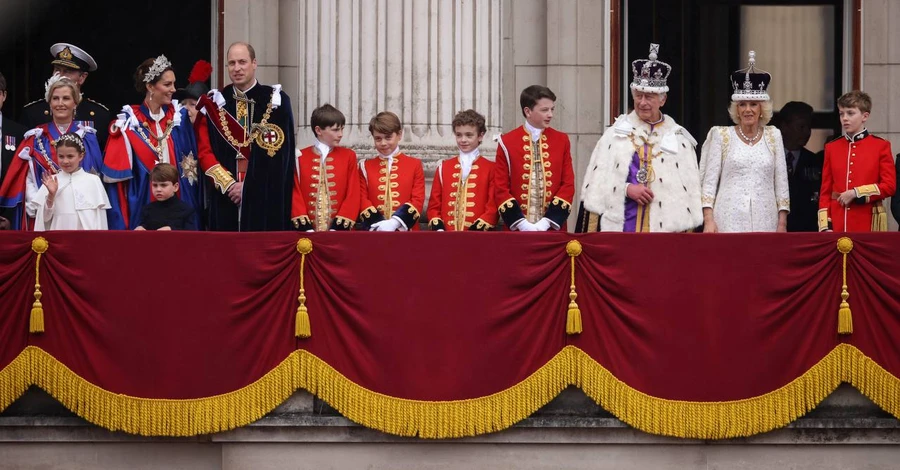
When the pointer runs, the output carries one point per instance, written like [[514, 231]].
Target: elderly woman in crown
[[156, 131], [745, 183], [643, 174], [38, 155]]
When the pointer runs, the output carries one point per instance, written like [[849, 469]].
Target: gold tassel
[[573, 317], [845, 319], [301, 323], [36, 323]]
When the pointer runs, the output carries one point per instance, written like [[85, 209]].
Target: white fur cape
[[676, 203]]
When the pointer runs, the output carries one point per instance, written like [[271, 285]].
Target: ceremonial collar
[[858, 136]]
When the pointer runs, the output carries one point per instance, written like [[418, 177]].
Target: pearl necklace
[[747, 139]]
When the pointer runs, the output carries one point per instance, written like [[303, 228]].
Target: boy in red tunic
[[534, 178], [326, 185], [858, 173], [392, 185], [462, 194]]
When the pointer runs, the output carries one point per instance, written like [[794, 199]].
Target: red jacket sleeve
[[489, 216], [348, 209], [209, 164], [825, 192], [887, 173], [299, 212], [433, 214]]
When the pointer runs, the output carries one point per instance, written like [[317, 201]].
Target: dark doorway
[[119, 35], [702, 41]]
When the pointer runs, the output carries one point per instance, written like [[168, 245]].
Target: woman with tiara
[[143, 135], [37, 154], [743, 169]]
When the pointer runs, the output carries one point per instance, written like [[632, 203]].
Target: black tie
[[790, 164]]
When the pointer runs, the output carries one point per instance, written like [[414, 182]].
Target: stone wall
[[844, 431]]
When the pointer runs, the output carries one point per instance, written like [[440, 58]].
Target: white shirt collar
[[391, 155], [323, 149], [466, 159], [534, 131]]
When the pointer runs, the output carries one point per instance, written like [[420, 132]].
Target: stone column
[[423, 60], [881, 70]]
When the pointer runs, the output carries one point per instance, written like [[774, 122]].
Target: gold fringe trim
[[452, 419], [713, 420], [15, 378], [151, 416], [437, 419]]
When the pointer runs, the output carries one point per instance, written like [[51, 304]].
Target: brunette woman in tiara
[[743, 168], [156, 131], [37, 154]]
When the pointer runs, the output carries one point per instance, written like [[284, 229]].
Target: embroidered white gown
[[748, 186]]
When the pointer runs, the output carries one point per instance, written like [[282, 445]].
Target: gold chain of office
[[160, 139], [263, 126]]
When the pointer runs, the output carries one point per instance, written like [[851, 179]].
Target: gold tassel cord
[[573, 317], [36, 322], [302, 328], [845, 318]]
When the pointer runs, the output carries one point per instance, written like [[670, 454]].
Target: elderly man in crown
[[643, 174]]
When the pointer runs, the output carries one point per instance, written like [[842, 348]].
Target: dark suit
[[93, 113], [805, 183], [15, 131]]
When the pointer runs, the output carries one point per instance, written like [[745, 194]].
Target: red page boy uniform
[[326, 190], [391, 188], [534, 179], [862, 163], [462, 194]]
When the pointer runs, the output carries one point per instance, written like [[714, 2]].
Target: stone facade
[[844, 431]]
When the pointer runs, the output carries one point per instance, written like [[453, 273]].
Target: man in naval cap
[[73, 63]]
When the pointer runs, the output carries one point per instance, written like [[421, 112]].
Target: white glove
[[526, 226], [439, 230], [389, 225], [310, 230], [542, 225], [400, 225]]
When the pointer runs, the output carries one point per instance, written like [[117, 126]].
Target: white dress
[[80, 204], [745, 185]]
